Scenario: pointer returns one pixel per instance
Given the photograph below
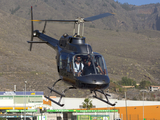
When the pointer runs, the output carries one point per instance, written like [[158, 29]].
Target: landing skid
[[61, 94], [105, 94]]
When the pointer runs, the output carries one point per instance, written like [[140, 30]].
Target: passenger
[[78, 66], [99, 69], [88, 69], [85, 61]]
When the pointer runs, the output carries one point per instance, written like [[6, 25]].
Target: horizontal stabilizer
[[37, 41]]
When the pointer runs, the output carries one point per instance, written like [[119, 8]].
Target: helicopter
[[77, 64]]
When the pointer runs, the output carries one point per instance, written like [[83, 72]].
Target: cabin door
[[63, 64]]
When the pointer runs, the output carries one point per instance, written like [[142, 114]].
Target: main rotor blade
[[98, 17], [56, 20], [80, 20]]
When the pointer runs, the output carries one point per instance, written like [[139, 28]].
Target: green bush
[[113, 5], [144, 84], [87, 103], [92, 26], [63, 1], [125, 6], [14, 10], [127, 82]]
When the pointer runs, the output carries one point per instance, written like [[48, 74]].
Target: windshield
[[100, 64], [88, 64]]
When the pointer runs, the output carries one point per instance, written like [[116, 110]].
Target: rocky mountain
[[148, 16], [129, 41], [128, 17]]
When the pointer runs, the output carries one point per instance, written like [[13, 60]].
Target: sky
[[138, 2]]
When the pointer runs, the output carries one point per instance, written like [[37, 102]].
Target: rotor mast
[[79, 21]]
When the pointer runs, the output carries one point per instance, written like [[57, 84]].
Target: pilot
[[78, 66], [88, 69]]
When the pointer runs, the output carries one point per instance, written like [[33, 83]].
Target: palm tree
[[87, 103]]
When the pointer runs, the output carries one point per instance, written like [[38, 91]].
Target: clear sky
[[138, 2]]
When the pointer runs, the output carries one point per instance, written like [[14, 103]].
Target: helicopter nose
[[98, 79], [95, 80]]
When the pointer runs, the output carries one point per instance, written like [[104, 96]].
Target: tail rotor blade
[[32, 28]]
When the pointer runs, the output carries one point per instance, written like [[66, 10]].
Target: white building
[[35, 101], [20, 100], [154, 88]]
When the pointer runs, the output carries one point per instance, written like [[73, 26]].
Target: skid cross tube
[[59, 93], [53, 87], [102, 92], [69, 88], [58, 103], [52, 90]]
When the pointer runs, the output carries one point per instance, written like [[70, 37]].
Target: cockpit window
[[83, 65], [100, 65], [88, 64]]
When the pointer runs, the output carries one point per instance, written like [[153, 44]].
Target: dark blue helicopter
[[77, 64]]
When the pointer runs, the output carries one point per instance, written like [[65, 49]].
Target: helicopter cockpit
[[88, 64]]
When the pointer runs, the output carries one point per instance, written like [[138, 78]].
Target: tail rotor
[[32, 28]]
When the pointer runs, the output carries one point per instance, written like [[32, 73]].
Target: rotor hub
[[79, 20]]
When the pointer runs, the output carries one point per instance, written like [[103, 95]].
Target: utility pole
[[143, 90], [114, 111], [126, 106], [143, 105], [25, 101]]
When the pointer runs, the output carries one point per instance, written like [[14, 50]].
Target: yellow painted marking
[[36, 20], [32, 93]]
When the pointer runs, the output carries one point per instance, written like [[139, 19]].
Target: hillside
[[127, 18], [127, 53]]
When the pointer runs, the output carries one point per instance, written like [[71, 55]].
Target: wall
[[136, 112]]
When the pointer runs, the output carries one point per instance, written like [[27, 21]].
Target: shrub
[[125, 6], [92, 26], [14, 10], [144, 84], [127, 81], [113, 5], [87, 103]]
